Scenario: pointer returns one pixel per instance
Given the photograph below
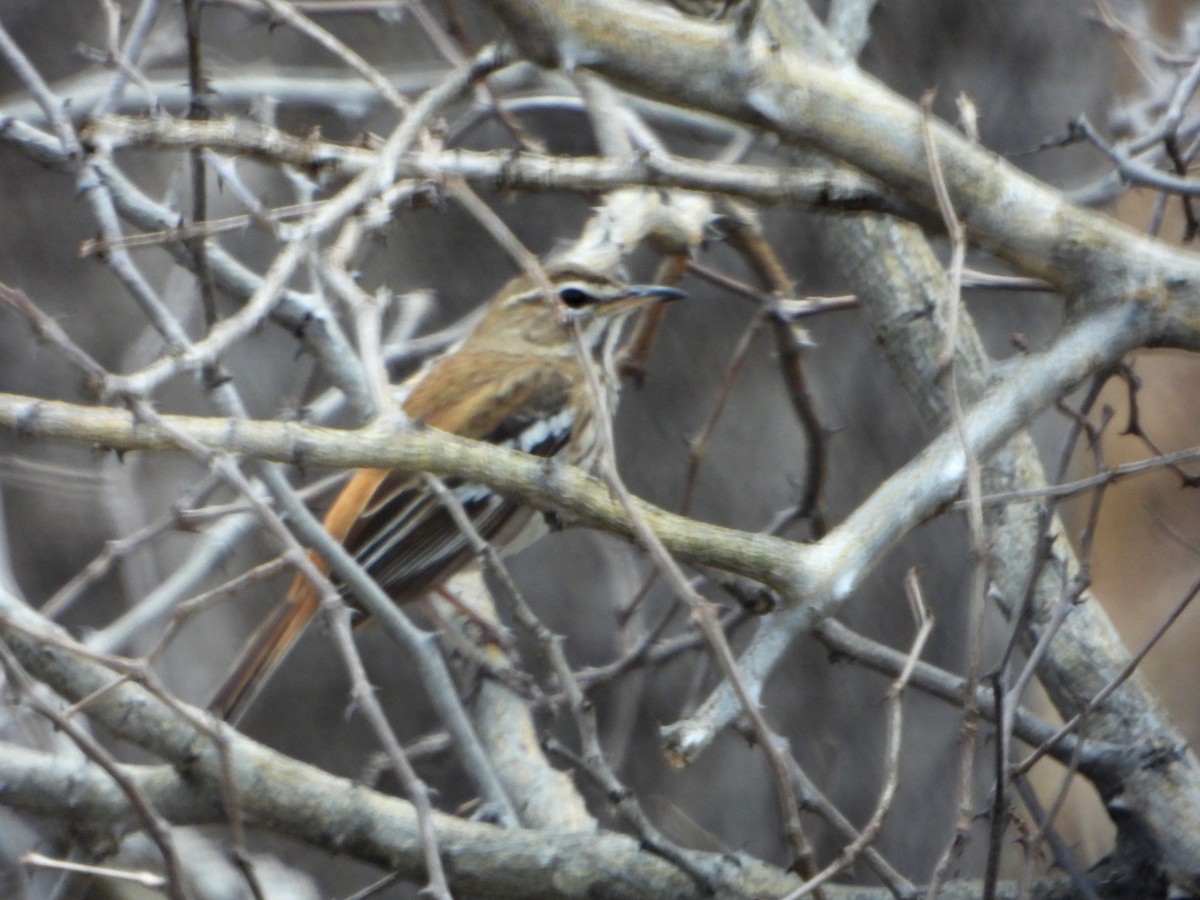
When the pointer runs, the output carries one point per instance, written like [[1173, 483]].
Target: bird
[[516, 380]]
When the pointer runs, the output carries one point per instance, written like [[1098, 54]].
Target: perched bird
[[517, 381]]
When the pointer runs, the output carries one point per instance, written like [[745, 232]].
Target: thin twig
[[855, 849], [293, 15], [949, 317], [156, 826]]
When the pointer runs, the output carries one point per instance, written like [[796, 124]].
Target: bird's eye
[[574, 297]]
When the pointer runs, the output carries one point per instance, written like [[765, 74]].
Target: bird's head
[[522, 316]]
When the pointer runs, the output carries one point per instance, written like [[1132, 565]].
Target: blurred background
[[1028, 66]]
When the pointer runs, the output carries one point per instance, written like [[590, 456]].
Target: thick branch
[[403, 447], [824, 188], [852, 117], [814, 578], [487, 861], [302, 801]]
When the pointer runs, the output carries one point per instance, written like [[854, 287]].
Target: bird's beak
[[638, 295]]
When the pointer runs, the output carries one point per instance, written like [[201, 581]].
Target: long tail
[[264, 651], [272, 640]]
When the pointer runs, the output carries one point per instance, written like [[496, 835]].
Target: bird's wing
[[403, 536], [395, 527]]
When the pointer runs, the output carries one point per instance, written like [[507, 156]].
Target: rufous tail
[[272, 640], [265, 650]]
